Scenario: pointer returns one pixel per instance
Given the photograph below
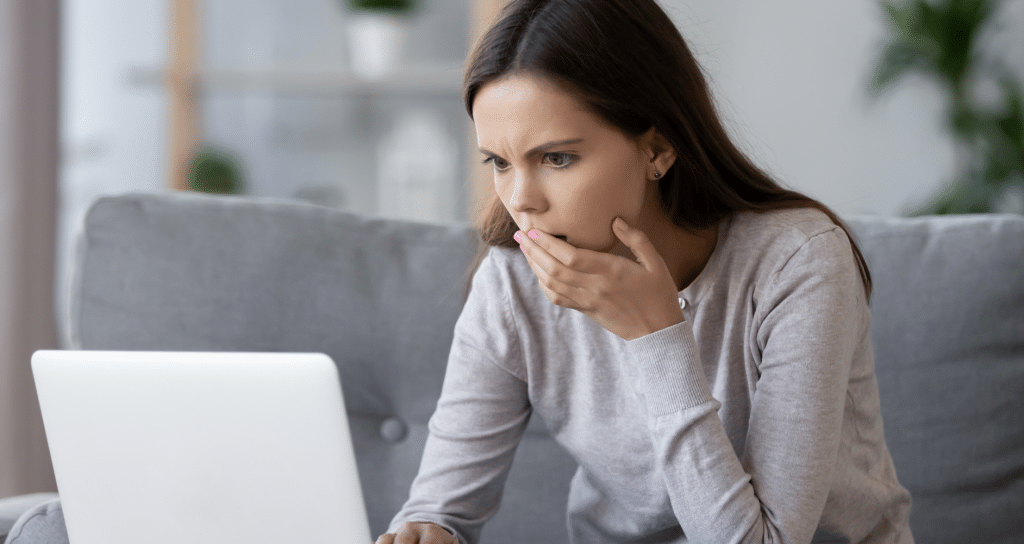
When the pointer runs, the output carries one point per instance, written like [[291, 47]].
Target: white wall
[[790, 77], [113, 134]]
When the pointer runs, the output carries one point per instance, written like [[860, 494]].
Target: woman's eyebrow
[[540, 148]]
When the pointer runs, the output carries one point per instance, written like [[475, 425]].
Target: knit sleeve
[[480, 417], [775, 490]]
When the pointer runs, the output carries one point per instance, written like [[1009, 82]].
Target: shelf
[[440, 81]]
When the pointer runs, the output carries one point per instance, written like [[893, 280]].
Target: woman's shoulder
[[760, 244], [782, 233], [782, 227]]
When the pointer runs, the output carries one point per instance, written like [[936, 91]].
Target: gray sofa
[[192, 272]]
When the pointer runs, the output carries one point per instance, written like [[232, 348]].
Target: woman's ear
[[659, 152]]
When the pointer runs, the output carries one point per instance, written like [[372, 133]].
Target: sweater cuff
[[670, 371]]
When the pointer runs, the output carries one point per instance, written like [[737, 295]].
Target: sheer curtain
[[29, 157]]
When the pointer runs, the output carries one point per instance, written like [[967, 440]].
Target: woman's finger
[[638, 243], [558, 295], [564, 253], [386, 538], [557, 292], [546, 265]]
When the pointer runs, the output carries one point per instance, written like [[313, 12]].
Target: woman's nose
[[526, 194]]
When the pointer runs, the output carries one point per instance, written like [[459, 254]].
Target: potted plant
[[940, 41], [376, 30], [216, 172]]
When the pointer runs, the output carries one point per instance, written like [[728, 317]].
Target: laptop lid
[[172, 447]]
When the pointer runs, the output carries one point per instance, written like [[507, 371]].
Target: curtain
[[29, 162]]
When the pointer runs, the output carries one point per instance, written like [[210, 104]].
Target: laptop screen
[[200, 447]]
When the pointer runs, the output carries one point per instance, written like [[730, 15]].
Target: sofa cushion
[[948, 334]]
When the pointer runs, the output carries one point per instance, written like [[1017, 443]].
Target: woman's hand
[[415, 532], [630, 299]]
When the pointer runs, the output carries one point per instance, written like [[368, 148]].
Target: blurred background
[[356, 105]]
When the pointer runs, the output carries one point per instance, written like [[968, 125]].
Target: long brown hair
[[628, 62]]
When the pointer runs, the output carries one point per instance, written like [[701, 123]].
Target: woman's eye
[[560, 160], [499, 164]]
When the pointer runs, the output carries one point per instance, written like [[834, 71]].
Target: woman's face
[[559, 168]]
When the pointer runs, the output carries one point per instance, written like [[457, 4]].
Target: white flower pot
[[375, 43]]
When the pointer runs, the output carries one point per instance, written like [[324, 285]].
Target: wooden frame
[[183, 107]]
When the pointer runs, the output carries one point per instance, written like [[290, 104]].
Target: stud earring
[[657, 175]]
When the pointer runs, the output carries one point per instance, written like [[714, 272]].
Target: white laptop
[[188, 447]]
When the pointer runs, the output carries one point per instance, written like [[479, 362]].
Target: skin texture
[[628, 280]]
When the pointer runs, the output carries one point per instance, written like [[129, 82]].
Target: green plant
[[940, 40], [392, 6], [212, 171]]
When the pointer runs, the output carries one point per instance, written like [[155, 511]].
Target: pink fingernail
[[518, 237], [534, 235]]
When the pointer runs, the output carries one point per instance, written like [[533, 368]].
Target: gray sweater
[[755, 420]]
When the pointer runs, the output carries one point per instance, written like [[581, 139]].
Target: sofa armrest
[[12, 508]]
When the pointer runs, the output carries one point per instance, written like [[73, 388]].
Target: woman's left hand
[[630, 299]]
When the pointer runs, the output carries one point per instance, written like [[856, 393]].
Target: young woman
[[693, 334]]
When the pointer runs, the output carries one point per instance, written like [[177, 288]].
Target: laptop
[[173, 447]]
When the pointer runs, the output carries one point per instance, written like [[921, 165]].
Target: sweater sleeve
[[480, 417], [775, 491]]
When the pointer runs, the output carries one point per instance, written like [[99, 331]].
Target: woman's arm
[[480, 418], [775, 491]]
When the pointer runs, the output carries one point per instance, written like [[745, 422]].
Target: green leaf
[[956, 27], [898, 59], [941, 204], [1012, 123], [978, 198], [939, 39], [901, 19], [964, 122], [967, 194]]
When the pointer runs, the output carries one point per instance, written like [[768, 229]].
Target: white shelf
[[444, 81]]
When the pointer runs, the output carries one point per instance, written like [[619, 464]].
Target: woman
[[694, 335]]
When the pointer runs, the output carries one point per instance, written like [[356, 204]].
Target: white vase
[[375, 43], [416, 168]]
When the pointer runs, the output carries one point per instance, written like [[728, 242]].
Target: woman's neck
[[685, 254]]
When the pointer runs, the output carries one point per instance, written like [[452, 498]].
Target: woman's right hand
[[415, 532]]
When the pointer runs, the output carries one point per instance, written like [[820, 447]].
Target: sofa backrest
[[381, 297], [948, 332]]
